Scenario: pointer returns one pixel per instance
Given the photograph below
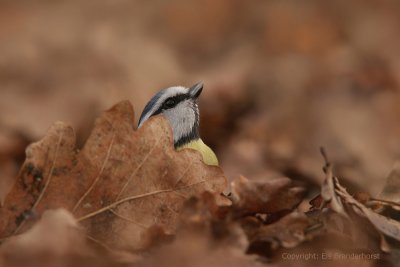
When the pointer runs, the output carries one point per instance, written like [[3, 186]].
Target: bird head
[[179, 105]]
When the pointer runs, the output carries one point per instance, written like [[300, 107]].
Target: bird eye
[[170, 103]]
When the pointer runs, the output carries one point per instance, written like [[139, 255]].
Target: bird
[[179, 105]]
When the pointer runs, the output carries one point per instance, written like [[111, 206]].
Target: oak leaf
[[265, 196], [288, 232], [384, 225], [338, 197], [204, 239], [121, 183], [55, 240], [391, 190]]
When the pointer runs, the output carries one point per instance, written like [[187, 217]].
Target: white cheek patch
[[166, 93], [182, 119]]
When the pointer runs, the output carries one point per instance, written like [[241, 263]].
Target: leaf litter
[[122, 179], [128, 193]]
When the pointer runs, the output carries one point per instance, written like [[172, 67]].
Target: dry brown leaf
[[288, 232], [8, 170], [56, 240], [204, 240], [328, 192], [317, 203], [121, 183], [383, 224], [388, 200], [345, 217], [53, 221], [12, 150], [199, 250], [391, 189], [265, 196]]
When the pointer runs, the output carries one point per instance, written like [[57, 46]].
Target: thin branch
[[326, 159], [386, 202]]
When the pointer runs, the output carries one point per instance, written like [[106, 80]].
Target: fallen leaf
[[343, 217], [198, 250], [204, 240], [317, 202], [288, 232], [265, 196], [12, 151], [383, 224], [121, 183], [362, 197], [8, 170], [55, 240], [387, 202], [391, 189], [328, 192]]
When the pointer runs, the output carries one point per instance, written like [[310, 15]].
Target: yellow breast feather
[[209, 156]]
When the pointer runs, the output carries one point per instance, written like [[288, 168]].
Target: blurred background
[[282, 78]]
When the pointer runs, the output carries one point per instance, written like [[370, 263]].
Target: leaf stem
[[118, 202]]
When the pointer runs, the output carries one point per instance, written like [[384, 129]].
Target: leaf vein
[[116, 203], [98, 175]]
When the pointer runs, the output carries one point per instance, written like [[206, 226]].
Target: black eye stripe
[[169, 103], [177, 99], [174, 100]]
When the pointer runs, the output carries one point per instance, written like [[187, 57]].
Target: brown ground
[[282, 78]]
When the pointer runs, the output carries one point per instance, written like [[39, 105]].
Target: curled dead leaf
[[55, 240], [338, 197], [328, 192], [391, 189], [265, 196], [8, 170], [385, 225], [203, 239], [121, 183], [288, 232]]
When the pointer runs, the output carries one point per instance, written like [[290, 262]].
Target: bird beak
[[195, 90]]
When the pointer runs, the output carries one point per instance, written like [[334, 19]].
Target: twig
[[326, 159]]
